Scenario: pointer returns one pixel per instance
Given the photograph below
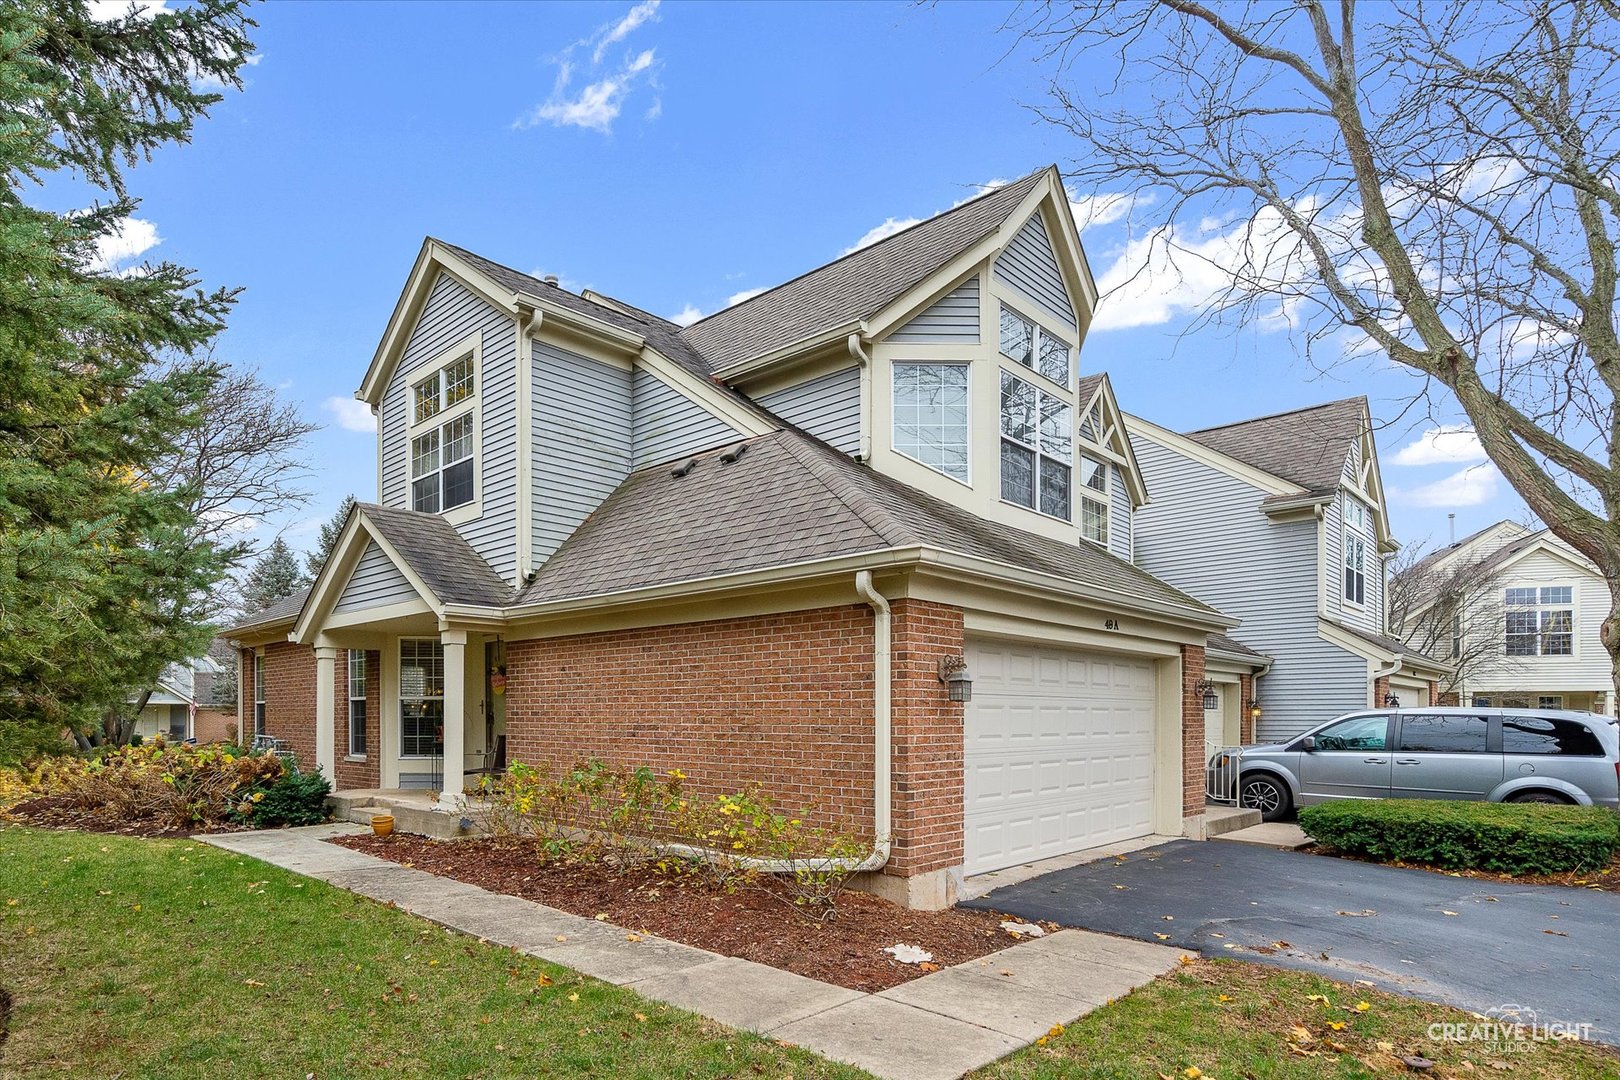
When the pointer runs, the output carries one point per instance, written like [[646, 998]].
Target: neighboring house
[[1521, 613], [766, 548], [1280, 521], [172, 709]]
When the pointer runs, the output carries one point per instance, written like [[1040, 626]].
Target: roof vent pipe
[[683, 468], [550, 279], [734, 453]]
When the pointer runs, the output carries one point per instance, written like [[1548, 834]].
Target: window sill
[[1032, 510], [354, 757]]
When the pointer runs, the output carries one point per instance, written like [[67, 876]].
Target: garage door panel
[[1059, 752]]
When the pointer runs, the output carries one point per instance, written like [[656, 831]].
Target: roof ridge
[[875, 244], [548, 285], [873, 514], [1362, 398]]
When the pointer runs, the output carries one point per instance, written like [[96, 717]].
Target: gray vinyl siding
[[667, 424], [1203, 531], [451, 313], [1120, 524], [953, 319], [376, 582], [1029, 265], [828, 407], [582, 439]]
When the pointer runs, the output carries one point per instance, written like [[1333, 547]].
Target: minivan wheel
[[1267, 795], [1541, 797]]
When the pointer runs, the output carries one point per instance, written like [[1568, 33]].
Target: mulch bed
[[59, 812], [754, 923], [1603, 879]]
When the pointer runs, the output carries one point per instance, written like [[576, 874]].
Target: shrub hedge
[[1509, 838]]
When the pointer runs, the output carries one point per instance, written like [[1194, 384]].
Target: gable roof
[[855, 286], [1306, 447], [439, 555], [1433, 558], [792, 499]]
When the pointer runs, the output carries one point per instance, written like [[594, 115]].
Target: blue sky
[[675, 155]]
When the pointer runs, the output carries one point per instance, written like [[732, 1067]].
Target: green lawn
[[156, 959], [147, 959]]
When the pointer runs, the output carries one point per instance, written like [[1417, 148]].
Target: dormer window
[[1023, 342]]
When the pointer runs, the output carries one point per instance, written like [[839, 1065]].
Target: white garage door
[[1059, 752]]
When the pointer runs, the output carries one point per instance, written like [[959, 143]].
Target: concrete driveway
[[1549, 948]]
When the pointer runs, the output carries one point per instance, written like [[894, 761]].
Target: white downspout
[[882, 751], [1382, 673]]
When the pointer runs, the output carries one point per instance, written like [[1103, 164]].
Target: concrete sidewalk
[[933, 1028]]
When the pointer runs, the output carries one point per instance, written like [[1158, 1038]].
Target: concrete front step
[[417, 820], [1219, 820], [1275, 834]]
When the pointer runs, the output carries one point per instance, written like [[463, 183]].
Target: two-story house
[[1519, 613], [866, 538], [1280, 521]]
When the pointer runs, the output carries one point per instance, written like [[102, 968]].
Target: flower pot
[[382, 824]]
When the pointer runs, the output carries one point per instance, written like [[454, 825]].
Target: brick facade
[[927, 727], [289, 708], [1192, 731], [785, 701], [1380, 692]]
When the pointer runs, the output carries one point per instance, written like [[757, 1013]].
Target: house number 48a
[[1110, 624]]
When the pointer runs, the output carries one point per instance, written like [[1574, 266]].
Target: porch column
[[326, 712], [455, 716]]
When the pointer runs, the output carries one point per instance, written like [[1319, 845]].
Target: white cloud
[[686, 316], [1472, 486], [1440, 445], [738, 297], [641, 13], [597, 104], [1105, 207], [352, 415], [134, 238], [883, 231]]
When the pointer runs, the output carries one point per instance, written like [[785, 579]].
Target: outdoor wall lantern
[[1206, 689], [953, 672], [497, 677], [1254, 708], [1391, 701]]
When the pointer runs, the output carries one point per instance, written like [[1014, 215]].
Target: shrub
[[298, 798], [177, 786], [1510, 838], [628, 817]]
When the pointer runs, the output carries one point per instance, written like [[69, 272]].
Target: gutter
[[882, 752]]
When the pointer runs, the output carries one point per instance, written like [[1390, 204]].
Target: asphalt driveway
[[1549, 948]]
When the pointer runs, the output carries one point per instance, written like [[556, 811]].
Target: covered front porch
[[441, 713], [403, 593]]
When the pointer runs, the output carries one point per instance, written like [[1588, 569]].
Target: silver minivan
[[1494, 755]]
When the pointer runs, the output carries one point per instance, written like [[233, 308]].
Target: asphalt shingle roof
[[1394, 645], [284, 609], [439, 555], [1233, 645], [853, 287], [789, 499], [1305, 447]]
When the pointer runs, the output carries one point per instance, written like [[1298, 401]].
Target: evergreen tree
[[101, 584], [274, 576], [329, 537]]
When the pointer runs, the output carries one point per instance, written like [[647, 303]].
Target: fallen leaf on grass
[[1362, 1006], [574, 996], [1184, 959], [641, 1018], [543, 980], [1224, 998], [1301, 1034]]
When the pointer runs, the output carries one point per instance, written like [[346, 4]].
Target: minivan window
[[1356, 733], [1545, 735], [1429, 733]]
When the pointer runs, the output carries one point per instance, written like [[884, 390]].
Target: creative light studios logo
[[1510, 1029]]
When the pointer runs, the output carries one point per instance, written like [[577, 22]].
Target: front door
[[1350, 761]]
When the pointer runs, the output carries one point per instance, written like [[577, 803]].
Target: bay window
[[930, 423], [1037, 447]]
